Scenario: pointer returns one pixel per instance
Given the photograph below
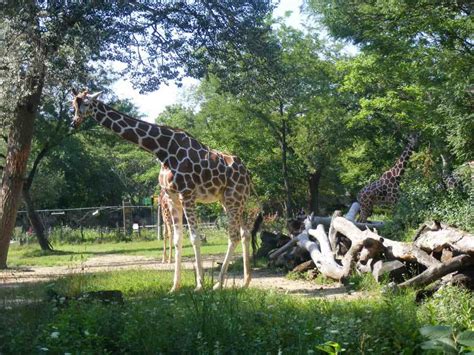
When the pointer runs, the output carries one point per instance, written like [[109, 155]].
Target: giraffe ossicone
[[190, 173]]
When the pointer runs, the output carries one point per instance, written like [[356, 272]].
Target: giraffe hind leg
[[234, 226], [190, 212], [170, 254], [165, 239], [245, 235]]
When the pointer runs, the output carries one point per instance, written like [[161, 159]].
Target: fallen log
[[321, 254], [408, 252], [436, 272], [270, 241], [303, 267], [395, 270], [376, 254], [435, 240], [332, 235], [465, 278], [275, 254], [391, 248], [326, 222], [353, 210]]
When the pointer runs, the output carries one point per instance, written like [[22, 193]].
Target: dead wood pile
[[337, 247]]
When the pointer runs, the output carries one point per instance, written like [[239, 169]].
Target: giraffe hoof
[[174, 289], [246, 283]]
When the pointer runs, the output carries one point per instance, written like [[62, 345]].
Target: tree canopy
[[312, 123]]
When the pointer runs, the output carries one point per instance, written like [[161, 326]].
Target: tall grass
[[230, 321]]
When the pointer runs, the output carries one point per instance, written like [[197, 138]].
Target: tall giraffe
[[386, 190], [190, 172], [167, 222]]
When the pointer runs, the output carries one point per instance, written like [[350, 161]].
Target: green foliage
[[423, 200], [450, 306], [153, 321], [411, 72], [442, 339], [330, 347], [364, 282]]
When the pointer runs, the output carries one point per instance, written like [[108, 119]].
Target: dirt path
[[261, 278]]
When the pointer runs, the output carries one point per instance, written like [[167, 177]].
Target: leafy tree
[[38, 37], [412, 74], [414, 68], [276, 91]]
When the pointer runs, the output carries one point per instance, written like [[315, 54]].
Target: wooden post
[[124, 219]]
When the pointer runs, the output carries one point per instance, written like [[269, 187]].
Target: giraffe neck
[[399, 168], [162, 141]]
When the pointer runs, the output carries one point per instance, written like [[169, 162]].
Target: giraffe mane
[[142, 121]]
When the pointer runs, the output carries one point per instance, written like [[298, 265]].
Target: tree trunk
[[284, 156], [313, 182], [35, 221], [436, 272], [18, 150], [33, 216]]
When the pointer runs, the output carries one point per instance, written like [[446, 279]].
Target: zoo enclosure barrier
[[125, 221]]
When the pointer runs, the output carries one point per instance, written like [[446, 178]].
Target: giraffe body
[[167, 223], [190, 173], [386, 190]]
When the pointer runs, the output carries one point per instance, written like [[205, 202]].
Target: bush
[[451, 306], [422, 200]]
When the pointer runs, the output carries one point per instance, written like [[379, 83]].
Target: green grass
[[230, 321], [73, 254]]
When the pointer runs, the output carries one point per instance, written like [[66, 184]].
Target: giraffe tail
[[256, 226]]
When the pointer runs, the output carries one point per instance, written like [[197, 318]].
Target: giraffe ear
[[95, 96], [74, 92]]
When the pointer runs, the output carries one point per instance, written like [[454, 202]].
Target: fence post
[[127, 217], [124, 218]]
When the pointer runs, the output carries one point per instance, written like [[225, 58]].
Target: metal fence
[[93, 217], [124, 220]]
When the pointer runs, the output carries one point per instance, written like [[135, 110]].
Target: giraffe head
[[413, 139], [82, 105]]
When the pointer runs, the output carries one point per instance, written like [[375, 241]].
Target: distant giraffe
[[386, 190], [167, 223], [452, 179], [190, 172]]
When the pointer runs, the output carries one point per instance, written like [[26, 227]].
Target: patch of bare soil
[[261, 278]]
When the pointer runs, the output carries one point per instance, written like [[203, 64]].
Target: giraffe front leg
[[177, 219], [365, 212], [189, 210]]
